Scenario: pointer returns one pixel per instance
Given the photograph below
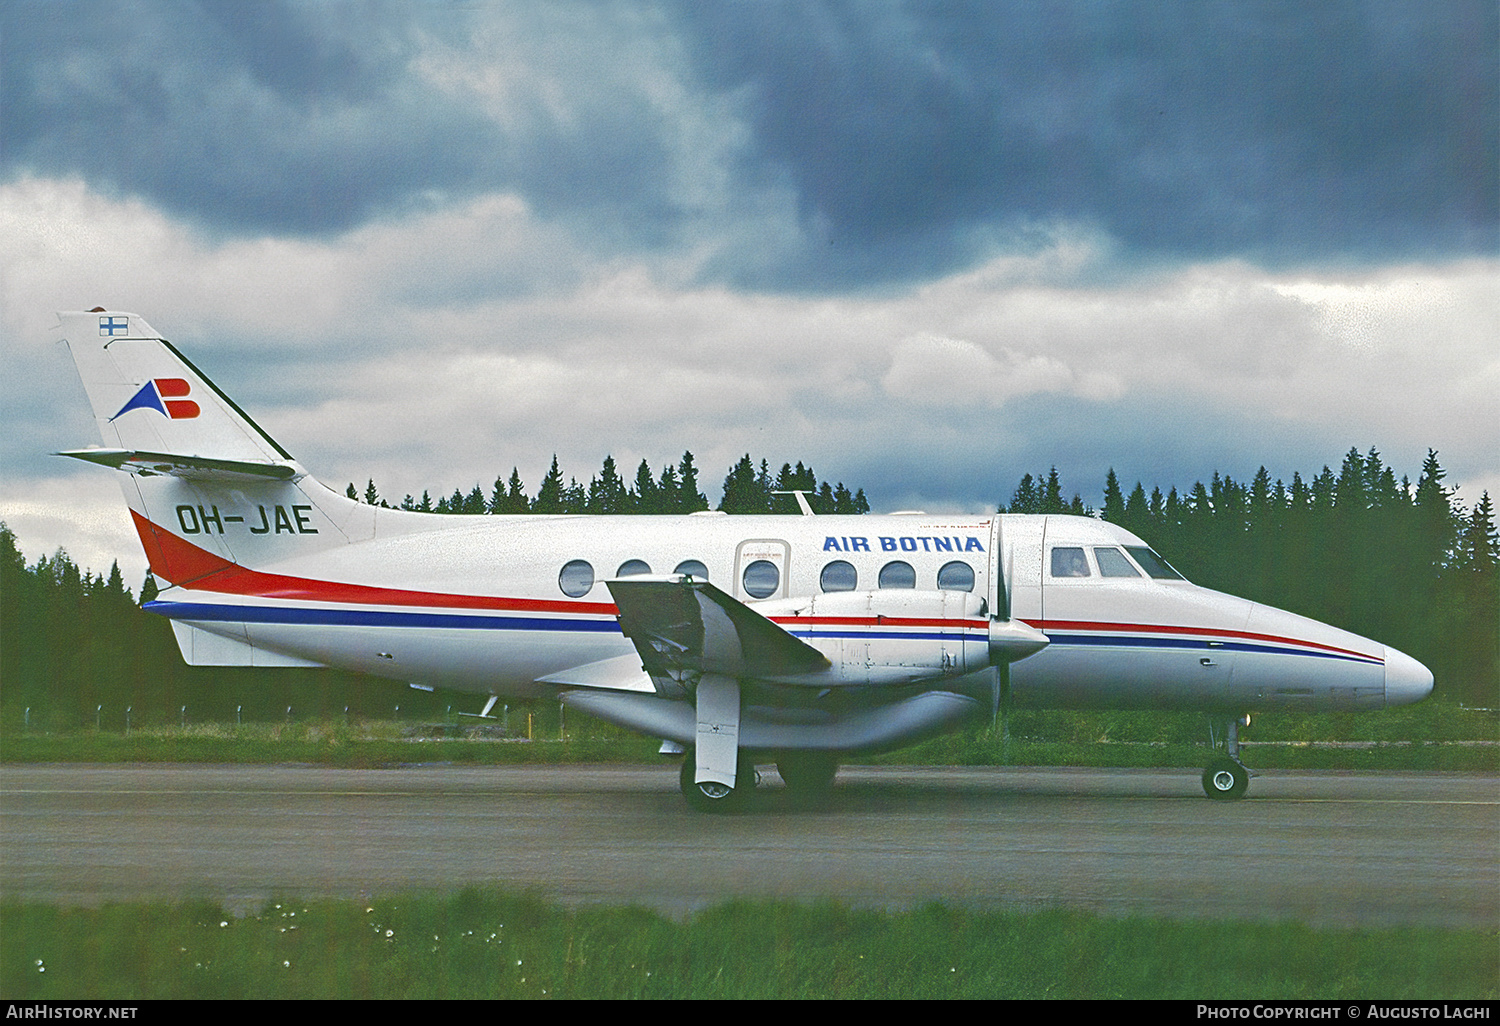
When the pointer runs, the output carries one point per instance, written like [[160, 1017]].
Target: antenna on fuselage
[[802, 502]]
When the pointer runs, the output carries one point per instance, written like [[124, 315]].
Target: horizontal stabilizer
[[196, 468], [679, 625]]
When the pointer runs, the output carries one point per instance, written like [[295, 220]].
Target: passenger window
[[1068, 562], [576, 578], [1112, 563], [632, 567], [956, 576], [897, 574], [1153, 564], [761, 579], [694, 569], [839, 576]]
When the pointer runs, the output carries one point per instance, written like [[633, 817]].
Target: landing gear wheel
[[711, 796], [809, 774], [1225, 780]]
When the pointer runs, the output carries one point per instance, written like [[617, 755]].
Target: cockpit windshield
[[1153, 564], [1112, 563]]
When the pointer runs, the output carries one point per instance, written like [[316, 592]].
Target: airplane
[[800, 640]]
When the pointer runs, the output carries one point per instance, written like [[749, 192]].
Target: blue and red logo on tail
[[165, 396]]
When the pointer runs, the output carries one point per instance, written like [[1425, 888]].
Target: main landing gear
[[808, 773], [1226, 778], [712, 796]]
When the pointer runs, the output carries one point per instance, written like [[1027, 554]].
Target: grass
[[489, 944], [1430, 736]]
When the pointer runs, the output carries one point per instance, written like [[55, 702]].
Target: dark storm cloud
[[1274, 131], [246, 117], [295, 118], [910, 141]]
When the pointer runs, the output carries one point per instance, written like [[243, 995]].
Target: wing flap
[[684, 626]]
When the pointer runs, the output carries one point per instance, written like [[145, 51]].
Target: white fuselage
[[495, 604]]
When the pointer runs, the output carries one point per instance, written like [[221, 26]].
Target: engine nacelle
[[887, 637]]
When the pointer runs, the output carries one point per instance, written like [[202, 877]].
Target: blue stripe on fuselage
[[206, 612], [1218, 646], [214, 612]]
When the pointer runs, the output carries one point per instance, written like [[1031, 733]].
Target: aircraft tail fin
[[200, 469], [148, 397]]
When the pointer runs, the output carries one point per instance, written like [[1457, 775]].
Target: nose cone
[[1406, 680]]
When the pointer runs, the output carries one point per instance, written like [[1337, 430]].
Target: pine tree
[[606, 494], [1137, 518], [549, 497], [1052, 500], [742, 492], [826, 501], [1114, 502], [669, 491], [691, 499], [1026, 498], [515, 494], [645, 497]]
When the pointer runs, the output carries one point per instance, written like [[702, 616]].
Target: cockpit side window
[[1112, 563], [1153, 564], [1069, 562]]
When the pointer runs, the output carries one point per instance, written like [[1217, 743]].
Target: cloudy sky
[[925, 247]]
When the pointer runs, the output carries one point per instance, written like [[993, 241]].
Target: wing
[[683, 628]]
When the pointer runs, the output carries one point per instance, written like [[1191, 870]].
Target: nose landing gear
[[1226, 778]]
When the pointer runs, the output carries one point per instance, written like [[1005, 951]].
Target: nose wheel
[[1226, 778]]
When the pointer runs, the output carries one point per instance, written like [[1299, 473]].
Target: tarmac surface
[[1323, 847]]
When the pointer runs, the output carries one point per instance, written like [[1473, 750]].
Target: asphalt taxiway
[[1328, 848]]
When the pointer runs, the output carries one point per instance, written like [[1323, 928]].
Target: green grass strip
[[494, 944]]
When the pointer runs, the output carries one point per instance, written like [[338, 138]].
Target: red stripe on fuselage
[[188, 566], [1207, 632], [878, 621]]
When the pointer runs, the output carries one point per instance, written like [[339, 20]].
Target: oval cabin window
[[897, 574], [576, 578], [761, 579], [956, 576], [694, 569], [839, 575]]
